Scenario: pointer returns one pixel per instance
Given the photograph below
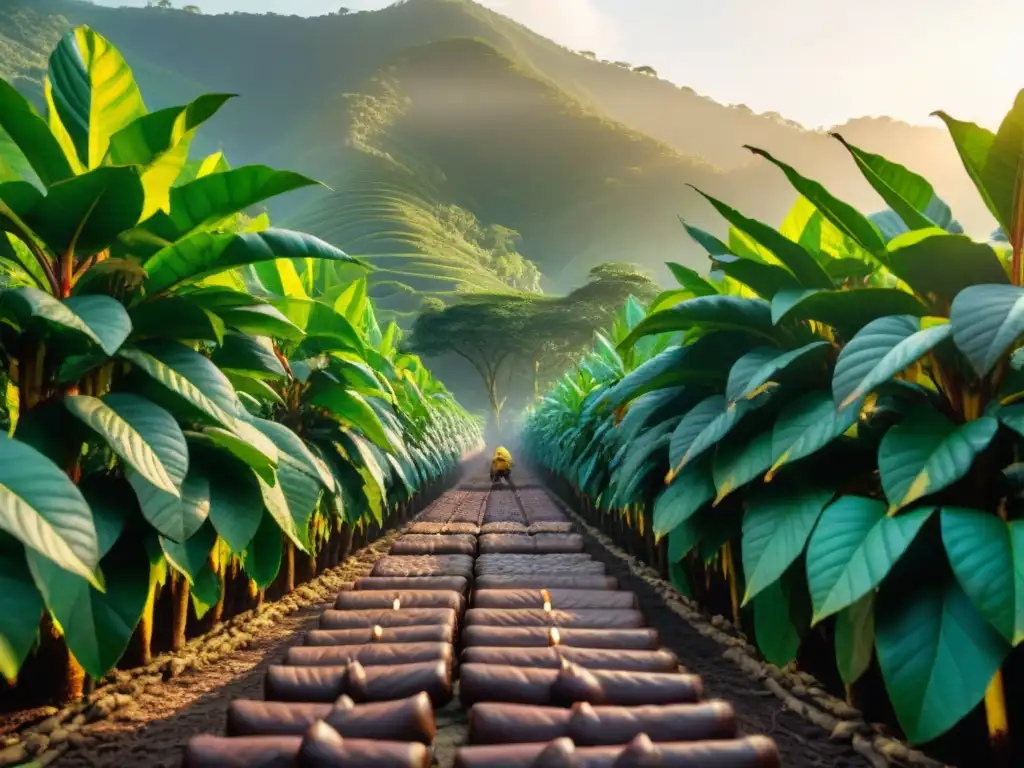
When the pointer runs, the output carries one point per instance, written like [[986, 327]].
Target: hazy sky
[[815, 61]]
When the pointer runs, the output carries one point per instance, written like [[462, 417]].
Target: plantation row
[[829, 424], [194, 397]]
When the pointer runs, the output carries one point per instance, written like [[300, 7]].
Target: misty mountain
[[462, 150]]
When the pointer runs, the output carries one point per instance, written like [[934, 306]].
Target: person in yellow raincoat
[[501, 464]]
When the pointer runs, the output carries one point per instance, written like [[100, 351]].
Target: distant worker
[[501, 465]]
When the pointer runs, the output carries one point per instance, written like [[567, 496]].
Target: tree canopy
[[543, 334]]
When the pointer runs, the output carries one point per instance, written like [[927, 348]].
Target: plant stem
[[179, 619], [72, 684], [218, 608], [143, 639], [998, 723], [67, 272], [289, 567], [734, 597]]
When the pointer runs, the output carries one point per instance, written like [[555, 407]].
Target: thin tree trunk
[[217, 612], [69, 686], [141, 648], [179, 619], [289, 567]]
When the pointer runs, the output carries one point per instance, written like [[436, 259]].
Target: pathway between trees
[[474, 641]]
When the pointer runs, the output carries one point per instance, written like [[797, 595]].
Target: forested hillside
[[462, 150]]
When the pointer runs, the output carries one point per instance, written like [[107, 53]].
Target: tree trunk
[[345, 536], [179, 619], [217, 612], [255, 594], [140, 650], [536, 379], [69, 685], [496, 403], [289, 567], [308, 568]]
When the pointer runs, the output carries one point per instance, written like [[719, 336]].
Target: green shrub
[[833, 416]]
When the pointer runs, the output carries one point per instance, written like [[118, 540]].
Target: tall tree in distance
[[485, 329], [505, 335]]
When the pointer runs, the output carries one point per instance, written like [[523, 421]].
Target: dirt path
[[153, 729]]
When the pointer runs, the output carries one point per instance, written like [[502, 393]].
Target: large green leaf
[[855, 638], [994, 162], [276, 504], [351, 408], [361, 454], [780, 365], [740, 460], [937, 654], [909, 195], [844, 216], [204, 253], [262, 557], [707, 241], [846, 310], [713, 430], [78, 323], [696, 420], [302, 492], [926, 452], [802, 264], [42, 508], [661, 371], [938, 265], [853, 548], [717, 312], [805, 426], [251, 355], [21, 606], [763, 279], [744, 369], [143, 434], [29, 131], [983, 551], [246, 443], [778, 521], [683, 538], [86, 213], [691, 281], [261, 320], [879, 352], [93, 92], [360, 377], [160, 142], [291, 444], [97, 625], [191, 557], [690, 490], [175, 317], [210, 199], [14, 168], [778, 638], [236, 504], [176, 516], [987, 320], [320, 320], [253, 387], [188, 377]]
